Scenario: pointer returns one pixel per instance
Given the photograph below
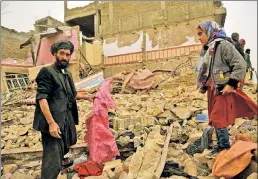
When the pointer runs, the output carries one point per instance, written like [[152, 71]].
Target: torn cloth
[[140, 80], [101, 143], [173, 169], [224, 109], [231, 162], [88, 168]]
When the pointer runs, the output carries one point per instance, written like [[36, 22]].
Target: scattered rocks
[[11, 168], [190, 167], [253, 176], [137, 114], [182, 113], [32, 164], [19, 175]]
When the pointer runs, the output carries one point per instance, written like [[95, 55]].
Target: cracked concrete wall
[[123, 44], [174, 35], [166, 24], [11, 41], [144, 26], [123, 17], [156, 38], [80, 12]]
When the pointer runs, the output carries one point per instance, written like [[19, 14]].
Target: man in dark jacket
[[56, 111], [235, 38]]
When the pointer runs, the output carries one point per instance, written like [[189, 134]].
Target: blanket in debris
[[99, 139], [231, 162], [140, 80]]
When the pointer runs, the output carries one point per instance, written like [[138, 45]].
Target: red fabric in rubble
[[224, 109], [88, 168], [101, 142]]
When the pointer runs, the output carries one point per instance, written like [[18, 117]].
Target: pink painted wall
[[44, 54], [151, 55]]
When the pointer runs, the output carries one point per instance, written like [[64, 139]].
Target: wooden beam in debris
[[164, 154]]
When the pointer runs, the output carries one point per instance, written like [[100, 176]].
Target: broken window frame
[[15, 81]]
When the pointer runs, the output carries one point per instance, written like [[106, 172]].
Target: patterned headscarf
[[213, 30], [62, 44]]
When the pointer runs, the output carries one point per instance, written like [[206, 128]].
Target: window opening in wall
[[15, 81]]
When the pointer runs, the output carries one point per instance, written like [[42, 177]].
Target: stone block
[[10, 168]]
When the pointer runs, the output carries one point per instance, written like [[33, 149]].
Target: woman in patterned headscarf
[[221, 70]]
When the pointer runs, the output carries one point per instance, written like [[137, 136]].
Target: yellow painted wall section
[[97, 51], [92, 52], [89, 53]]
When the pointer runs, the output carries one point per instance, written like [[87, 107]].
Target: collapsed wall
[[152, 32], [126, 27], [11, 41]]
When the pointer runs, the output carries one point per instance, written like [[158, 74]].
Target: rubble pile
[[140, 124], [17, 121]]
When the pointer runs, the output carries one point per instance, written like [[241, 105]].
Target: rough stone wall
[[160, 37], [130, 16], [74, 13], [46, 21], [120, 16], [172, 35], [166, 24], [11, 41]]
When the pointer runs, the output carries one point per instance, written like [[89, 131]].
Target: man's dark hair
[[235, 36], [247, 50]]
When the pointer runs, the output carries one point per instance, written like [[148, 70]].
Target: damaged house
[[140, 33], [33, 50], [116, 36]]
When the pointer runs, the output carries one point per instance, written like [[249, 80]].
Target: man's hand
[[203, 89], [227, 89], [90, 97], [54, 130]]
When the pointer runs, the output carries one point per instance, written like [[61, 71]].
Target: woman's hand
[[227, 89]]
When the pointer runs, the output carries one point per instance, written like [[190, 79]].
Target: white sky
[[241, 17]]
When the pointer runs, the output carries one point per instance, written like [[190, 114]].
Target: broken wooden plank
[[163, 158]]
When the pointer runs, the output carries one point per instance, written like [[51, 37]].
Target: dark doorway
[[86, 25]]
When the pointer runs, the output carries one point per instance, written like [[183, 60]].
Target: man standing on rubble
[[221, 71], [235, 38], [56, 111]]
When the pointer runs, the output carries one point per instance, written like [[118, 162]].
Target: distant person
[[249, 69], [242, 43], [235, 38]]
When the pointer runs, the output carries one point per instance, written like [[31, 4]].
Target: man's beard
[[62, 63]]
